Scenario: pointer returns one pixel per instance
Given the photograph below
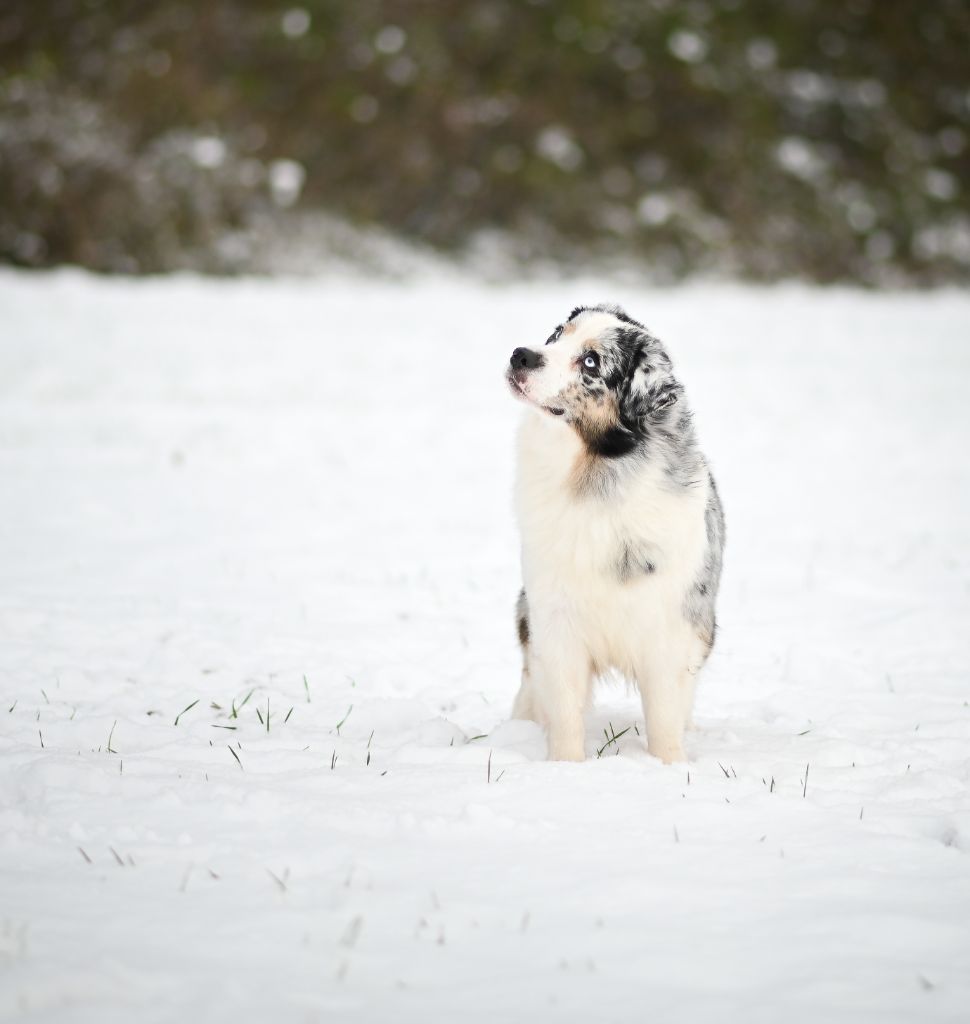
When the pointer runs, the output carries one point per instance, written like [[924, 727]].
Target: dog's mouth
[[520, 392], [516, 387]]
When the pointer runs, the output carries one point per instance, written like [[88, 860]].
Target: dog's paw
[[668, 752], [566, 752]]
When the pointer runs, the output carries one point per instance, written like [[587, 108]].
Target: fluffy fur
[[622, 530]]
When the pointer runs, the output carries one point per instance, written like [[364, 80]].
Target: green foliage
[[769, 137]]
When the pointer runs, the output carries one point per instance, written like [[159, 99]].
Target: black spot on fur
[[606, 307], [632, 564], [613, 443], [555, 335], [523, 626], [522, 618]]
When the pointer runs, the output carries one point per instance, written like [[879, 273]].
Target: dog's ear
[[651, 389]]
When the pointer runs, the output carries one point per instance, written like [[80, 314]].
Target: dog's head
[[601, 372]]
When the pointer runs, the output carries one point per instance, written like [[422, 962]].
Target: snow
[[214, 489]]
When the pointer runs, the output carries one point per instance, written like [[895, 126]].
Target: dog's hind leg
[[700, 647], [525, 705], [688, 686]]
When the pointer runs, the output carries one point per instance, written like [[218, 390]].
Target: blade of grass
[[189, 708], [611, 739], [245, 700]]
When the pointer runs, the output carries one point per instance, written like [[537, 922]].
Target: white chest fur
[[574, 539]]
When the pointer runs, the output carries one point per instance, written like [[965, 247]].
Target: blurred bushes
[[768, 138]]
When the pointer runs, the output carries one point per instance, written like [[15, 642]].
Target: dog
[[622, 530]]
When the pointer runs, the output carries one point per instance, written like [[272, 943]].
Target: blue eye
[[591, 361]]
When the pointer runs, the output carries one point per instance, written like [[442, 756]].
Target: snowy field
[[257, 571]]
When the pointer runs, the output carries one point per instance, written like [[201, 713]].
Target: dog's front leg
[[560, 672], [662, 676]]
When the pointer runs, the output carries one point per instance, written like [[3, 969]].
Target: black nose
[[525, 359]]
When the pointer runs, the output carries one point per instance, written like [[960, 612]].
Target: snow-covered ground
[[223, 503]]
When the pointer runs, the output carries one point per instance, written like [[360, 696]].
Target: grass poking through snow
[[189, 708], [245, 700], [611, 738]]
